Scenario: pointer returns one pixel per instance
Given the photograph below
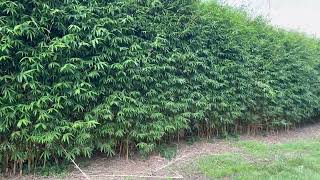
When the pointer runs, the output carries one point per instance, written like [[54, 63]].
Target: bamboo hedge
[[112, 76]]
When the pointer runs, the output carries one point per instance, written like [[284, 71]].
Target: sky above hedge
[[302, 15]]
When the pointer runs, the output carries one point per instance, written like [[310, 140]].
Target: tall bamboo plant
[[79, 77]]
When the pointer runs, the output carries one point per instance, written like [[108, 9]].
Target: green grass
[[168, 151], [294, 160], [224, 165]]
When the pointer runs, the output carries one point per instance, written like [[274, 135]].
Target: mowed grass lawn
[[294, 160]]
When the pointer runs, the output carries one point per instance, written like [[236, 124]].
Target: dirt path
[[156, 166], [306, 132]]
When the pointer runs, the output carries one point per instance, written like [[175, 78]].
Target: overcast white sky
[[301, 15]]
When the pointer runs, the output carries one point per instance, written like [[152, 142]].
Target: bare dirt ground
[[157, 167], [306, 132]]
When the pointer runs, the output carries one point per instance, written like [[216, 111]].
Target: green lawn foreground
[[294, 160]]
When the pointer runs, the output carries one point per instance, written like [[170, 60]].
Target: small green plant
[[168, 151], [53, 170], [229, 136], [192, 139]]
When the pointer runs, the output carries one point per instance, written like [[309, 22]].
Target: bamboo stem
[[127, 154], [14, 168], [7, 165], [120, 149], [21, 168], [29, 165]]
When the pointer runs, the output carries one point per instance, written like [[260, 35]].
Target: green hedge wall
[[111, 76]]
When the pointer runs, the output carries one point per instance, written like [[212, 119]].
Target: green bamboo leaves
[[119, 76]]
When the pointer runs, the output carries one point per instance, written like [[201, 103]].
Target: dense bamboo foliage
[[112, 76]]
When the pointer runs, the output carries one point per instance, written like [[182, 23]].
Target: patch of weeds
[[60, 170], [223, 135], [192, 139], [168, 151], [233, 137], [211, 140], [229, 136], [255, 148], [84, 162], [223, 165]]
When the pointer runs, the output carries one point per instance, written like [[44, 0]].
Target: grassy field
[[293, 160]]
